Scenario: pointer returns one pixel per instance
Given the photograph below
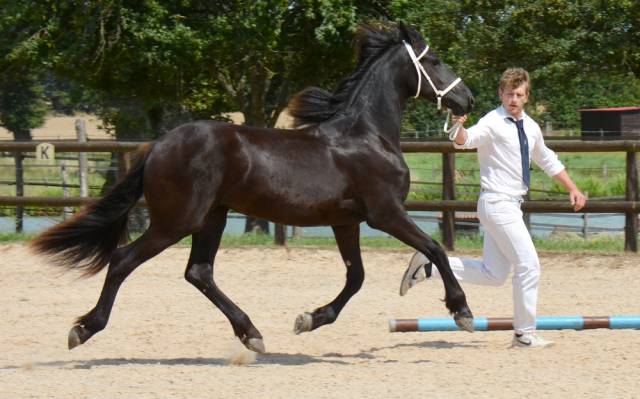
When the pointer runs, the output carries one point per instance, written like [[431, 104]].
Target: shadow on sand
[[282, 359]]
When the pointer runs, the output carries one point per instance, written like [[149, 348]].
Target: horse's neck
[[379, 105]]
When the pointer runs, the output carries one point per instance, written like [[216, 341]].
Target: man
[[506, 138]]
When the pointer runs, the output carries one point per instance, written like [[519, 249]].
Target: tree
[[156, 63], [21, 96], [21, 109], [261, 52], [579, 54]]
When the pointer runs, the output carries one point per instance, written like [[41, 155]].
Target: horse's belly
[[298, 210], [291, 189]]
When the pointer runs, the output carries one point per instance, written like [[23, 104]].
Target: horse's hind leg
[[123, 262], [348, 239], [199, 272]]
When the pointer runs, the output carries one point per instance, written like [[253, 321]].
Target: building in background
[[610, 123]]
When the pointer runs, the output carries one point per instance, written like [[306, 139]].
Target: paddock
[[166, 340]]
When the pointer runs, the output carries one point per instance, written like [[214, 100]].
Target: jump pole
[[500, 323]]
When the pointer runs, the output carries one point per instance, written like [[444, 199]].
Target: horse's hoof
[[74, 337], [255, 344], [464, 322], [304, 323]]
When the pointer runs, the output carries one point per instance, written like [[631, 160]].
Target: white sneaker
[[419, 269], [529, 340]]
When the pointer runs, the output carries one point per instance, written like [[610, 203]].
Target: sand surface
[[165, 340]]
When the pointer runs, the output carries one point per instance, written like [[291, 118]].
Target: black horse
[[342, 167]]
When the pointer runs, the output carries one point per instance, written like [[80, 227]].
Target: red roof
[[614, 109]]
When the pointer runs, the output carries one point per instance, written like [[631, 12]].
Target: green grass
[[14, 237], [48, 171], [603, 243], [599, 244], [598, 174]]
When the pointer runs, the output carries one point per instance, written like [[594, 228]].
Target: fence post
[[448, 193], [585, 221], [631, 218], [81, 133], [122, 166], [280, 234], [585, 225], [66, 211], [19, 165]]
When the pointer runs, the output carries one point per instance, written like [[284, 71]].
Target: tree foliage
[[580, 54], [155, 63], [21, 102], [151, 64]]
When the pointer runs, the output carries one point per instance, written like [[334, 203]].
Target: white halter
[[453, 132]]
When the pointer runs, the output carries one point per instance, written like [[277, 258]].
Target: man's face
[[513, 100]]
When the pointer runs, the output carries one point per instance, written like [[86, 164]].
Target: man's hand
[[461, 133], [459, 119], [577, 199]]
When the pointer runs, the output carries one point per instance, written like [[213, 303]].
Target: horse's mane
[[315, 105]]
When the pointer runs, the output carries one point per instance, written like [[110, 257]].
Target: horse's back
[[288, 176]]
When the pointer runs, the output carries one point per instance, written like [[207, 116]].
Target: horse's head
[[432, 79]]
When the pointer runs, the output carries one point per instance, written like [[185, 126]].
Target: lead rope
[[453, 132]]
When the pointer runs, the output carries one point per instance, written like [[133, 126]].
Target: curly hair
[[513, 78]]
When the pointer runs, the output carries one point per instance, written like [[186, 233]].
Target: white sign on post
[[45, 152]]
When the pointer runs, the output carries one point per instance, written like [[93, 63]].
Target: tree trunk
[[20, 135], [132, 123], [19, 157], [254, 115]]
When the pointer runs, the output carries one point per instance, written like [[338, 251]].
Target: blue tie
[[524, 150]]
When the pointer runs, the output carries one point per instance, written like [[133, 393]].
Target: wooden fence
[[448, 205]]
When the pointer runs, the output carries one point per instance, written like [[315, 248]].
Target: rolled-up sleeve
[[546, 159], [477, 135]]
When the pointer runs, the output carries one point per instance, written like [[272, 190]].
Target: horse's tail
[[89, 238], [311, 105]]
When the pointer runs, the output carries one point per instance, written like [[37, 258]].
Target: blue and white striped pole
[[496, 324]]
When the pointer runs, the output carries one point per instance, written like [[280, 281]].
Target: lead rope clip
[[453, 132]]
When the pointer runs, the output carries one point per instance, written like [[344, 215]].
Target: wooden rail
[[72, 146], [527, 206], [630, 207], [556, 145], [406, 146]]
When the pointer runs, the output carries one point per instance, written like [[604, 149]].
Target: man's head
[[514, 90]]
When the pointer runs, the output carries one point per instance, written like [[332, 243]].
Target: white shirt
[[496, 138]]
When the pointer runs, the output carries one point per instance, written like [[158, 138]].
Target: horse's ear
[[406, 34], [410, 34]]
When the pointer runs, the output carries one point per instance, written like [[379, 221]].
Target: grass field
[[598, 174], [48, 177], [602, 243]]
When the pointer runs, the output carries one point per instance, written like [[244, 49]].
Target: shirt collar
[[505, 115]]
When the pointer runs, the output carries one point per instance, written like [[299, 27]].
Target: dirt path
[[164, 340]]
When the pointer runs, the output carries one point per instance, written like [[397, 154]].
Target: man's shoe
[[529, 340], [419, 270]]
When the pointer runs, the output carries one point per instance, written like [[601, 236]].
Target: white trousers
[[507, 247]]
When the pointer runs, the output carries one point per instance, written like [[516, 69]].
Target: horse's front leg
[[397, 223], [348, 239]]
